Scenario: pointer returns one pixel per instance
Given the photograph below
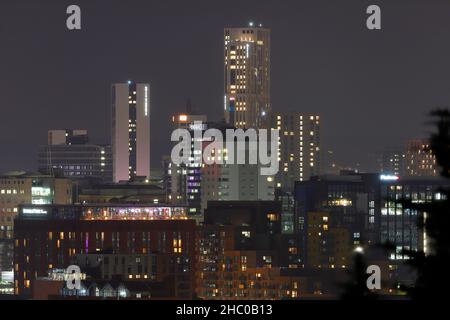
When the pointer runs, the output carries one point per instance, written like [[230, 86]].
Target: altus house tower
[[247, 76], [130, 130]]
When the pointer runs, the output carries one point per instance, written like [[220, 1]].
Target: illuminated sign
[[341, 202], [197, 126], [388, 177], [33, 211]]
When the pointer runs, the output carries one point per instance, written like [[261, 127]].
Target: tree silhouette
[[356, 287], [434, 219]]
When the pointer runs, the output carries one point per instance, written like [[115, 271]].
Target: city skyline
[[71, 84], [230, 151]]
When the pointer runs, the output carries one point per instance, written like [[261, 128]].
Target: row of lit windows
[[12, 191]]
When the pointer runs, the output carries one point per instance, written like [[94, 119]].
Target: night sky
[[372, 88]]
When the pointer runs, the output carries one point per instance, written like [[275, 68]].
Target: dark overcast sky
[[372, 88]]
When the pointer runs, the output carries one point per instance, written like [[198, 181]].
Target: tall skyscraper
[[130, 131], [247, 76], [299, 147]]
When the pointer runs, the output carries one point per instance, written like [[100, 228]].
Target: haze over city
[[324, 60], [243, 151]]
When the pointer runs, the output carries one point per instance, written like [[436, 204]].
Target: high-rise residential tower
[[299, 147], [130, 130], [247, 76]]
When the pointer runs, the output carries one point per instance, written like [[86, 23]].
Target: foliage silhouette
[[356, 287], [432, 266]]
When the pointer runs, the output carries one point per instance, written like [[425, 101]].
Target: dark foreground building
[[56, 236]]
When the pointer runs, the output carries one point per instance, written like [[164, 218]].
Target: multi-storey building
[[369, 207], [69, 153], [197, 182], [247, 76], [328, 246], [18, 188], [392, 162], [399, 225], [185, 179], [236, 182], [51, 237], [299, 152], [242, 253], [420, 160], [130, 132], [229, 180]]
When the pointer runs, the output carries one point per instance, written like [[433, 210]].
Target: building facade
[[242, 253], [247, 76], [420, 160], [329, 245], [18, 188], [234, 178], [198, 182], [369, 207], [69, 153], [392, 161], [130, 130], [299, 151], [235, 182], [53, 237], [185, 179]]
